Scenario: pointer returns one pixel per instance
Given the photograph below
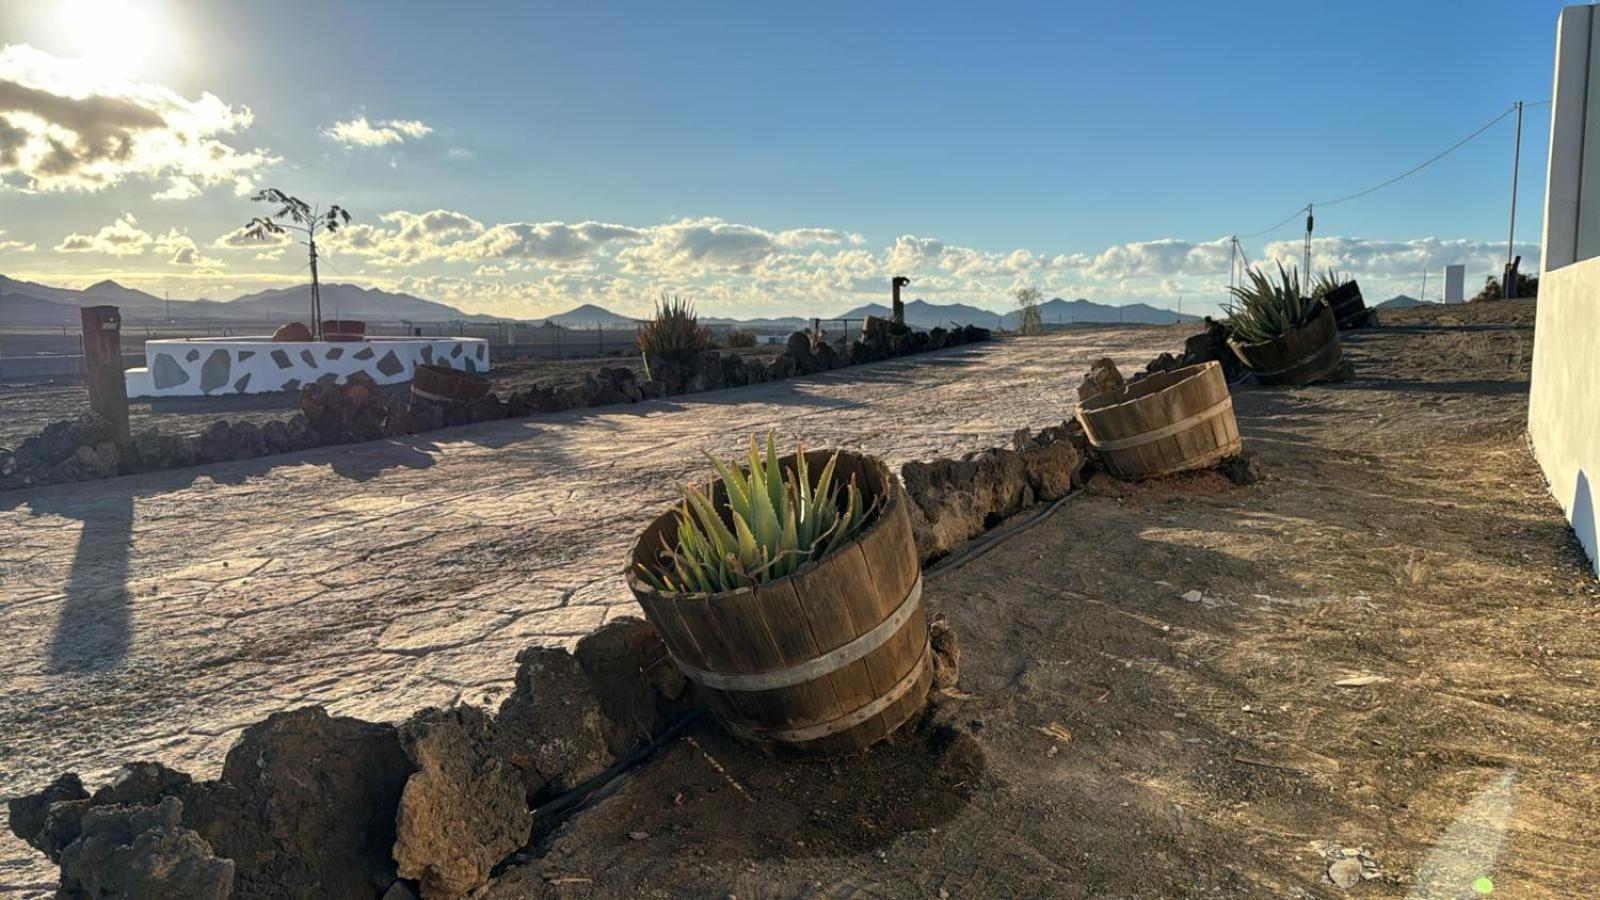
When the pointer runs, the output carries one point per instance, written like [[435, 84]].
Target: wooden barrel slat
[[1165, 423], [1301, 357], [859, 610], [438, 383]]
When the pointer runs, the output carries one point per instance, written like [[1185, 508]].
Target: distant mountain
[[782, 323], [17, 308], [588, 316], [1070, 312], [339, 301], [922, 314], [1401, 301]]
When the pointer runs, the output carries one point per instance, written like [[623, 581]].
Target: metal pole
[[1516, 163]]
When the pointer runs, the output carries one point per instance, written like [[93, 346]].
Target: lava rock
[[1051, 469], [1102, 378], [953, 500], [634, 681], [551, 727], [141, 784], [142, 852], [464, 809], [27, 814], [1243, 468], [946, 652], [306, 806]]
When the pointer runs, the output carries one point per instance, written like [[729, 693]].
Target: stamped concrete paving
[[153, 617]]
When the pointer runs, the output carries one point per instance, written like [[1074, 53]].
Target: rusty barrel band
[[1216, 409], [812, 669], [843, 723]]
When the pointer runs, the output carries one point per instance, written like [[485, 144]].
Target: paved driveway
[[152, 617]]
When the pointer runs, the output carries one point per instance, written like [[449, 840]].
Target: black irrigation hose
[[583, 791], [951, 563]]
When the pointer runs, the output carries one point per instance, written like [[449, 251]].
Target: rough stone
[[1243, 468], [464, 809], [353, 411], [142, 853], [1051, 469], [551, 727], [306, 806], [27, 814], [634, 681], [1345, 873], [955, 499], [141, 784], [1102, 378]]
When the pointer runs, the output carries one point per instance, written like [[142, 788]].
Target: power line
[[1402, 176]]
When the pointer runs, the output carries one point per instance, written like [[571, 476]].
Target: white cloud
[[123, 237], [68, 125], [8, 246], [359, 132], [1168, 256], [182, 250]]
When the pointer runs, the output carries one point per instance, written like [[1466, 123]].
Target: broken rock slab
[[464, 809], [142, 853], [953, 500], [1101, 378], [639, 691], [28, 815]]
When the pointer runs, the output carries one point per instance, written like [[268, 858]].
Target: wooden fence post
[[102, 368]]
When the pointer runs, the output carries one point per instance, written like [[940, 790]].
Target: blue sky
[[764, 158]]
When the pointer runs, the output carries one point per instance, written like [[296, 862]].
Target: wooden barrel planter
[[1349, 309], [1166, 423], [442, 384], [823, 662], [343, 330], [1300, 357]]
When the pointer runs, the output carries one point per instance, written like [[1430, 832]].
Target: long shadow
[[94, 629], [1583, 520], [1485, 386]]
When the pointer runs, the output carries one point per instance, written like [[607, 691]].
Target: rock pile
[[1207, 346], [954, 500], [358, 410], [313, 805]]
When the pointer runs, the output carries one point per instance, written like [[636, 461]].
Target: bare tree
[[1028, 299], [302, 218]]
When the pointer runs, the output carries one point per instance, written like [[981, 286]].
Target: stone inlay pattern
[[204, 366]]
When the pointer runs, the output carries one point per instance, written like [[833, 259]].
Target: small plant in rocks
[[768, 521], [674, 333]]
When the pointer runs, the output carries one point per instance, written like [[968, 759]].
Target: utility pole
[[1305, 273], [1424, 296], [1509, 288]]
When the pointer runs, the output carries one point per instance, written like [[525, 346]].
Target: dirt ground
[[25, 408], [1186, 641]]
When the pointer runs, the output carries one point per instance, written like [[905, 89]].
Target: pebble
[[639, 835], [1345, 873]]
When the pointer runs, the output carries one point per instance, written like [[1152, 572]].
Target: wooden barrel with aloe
[[1283, 336], [789, 591]]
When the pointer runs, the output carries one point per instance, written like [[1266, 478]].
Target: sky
[[521, 158]]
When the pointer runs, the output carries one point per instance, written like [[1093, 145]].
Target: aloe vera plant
[[675, 332], [772, 520], [1327, 282], [1264, 308]]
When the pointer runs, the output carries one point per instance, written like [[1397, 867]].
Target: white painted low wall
[[1564, 402], [196, 367]]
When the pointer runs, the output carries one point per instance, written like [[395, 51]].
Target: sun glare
[[117, 35]]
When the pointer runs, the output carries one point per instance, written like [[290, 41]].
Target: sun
[[116, 35]]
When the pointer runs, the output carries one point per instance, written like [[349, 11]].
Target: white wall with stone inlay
[[199, 367]]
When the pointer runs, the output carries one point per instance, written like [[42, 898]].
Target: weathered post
[[899, 308], [102, 368]]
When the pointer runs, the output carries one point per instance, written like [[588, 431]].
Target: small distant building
[[1455, 283]]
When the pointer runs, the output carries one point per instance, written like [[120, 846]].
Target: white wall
[[1564, 402]]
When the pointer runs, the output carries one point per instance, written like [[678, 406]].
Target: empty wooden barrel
[[1349, 309], [1165, 423], [442, 384], [822, 662], [1301, 357], [343, 330]]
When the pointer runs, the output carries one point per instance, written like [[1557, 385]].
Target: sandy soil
[[1404, 539]]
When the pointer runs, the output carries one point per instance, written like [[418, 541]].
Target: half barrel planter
[[1166, 423], [442, 384], [1303, 356], [824, 662], [1349, 309]]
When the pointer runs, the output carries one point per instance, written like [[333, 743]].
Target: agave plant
[[1265, 308], [675, 333], [1327, 282], [770, 521]]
